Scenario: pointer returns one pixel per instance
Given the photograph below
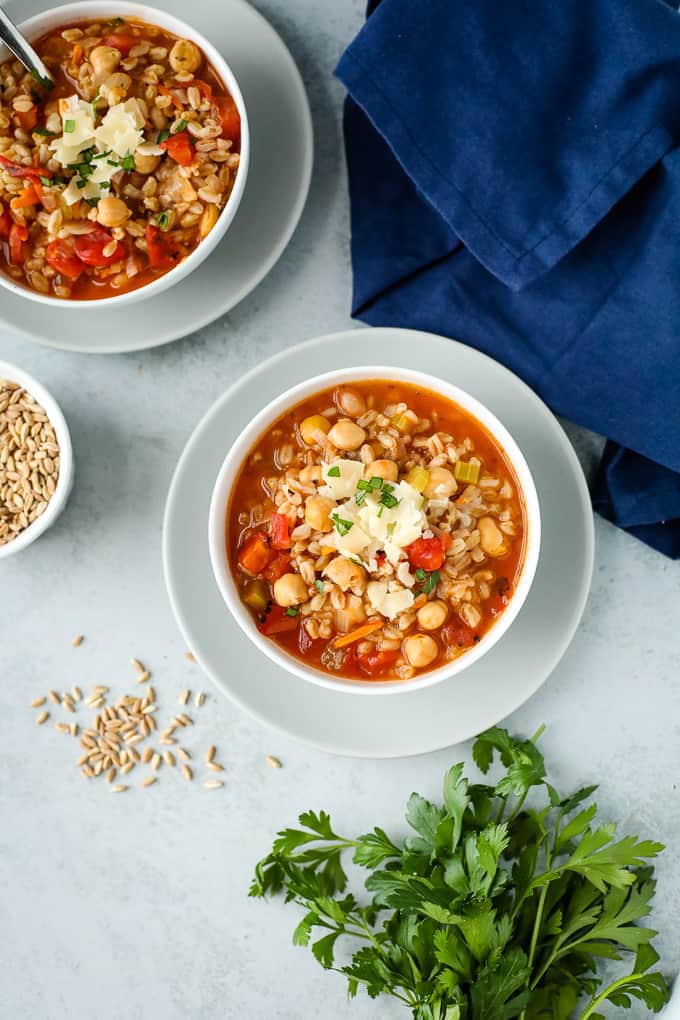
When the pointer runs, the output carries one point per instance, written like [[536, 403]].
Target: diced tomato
[[229, 118], [279, 531], [180, 148], [5, 223], [254, 553], [120, 41], [28, 119], [277, 567], [61, 256], [163, 252], [380, 559], [90, 248], [203, 87], [18, 170], [374, 663], [278, 621], [18, 235], [457, 634], [427, 553]]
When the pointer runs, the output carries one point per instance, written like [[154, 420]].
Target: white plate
[[434, 717], [276, 191]]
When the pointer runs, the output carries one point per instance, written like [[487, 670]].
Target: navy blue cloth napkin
[[515, 183]]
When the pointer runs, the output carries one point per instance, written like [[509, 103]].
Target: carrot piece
[[77, 53], [358, 633], [27, 197], [164, 91]]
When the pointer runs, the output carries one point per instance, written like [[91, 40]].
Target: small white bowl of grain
[[36, 459]]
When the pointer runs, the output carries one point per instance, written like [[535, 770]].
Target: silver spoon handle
[[23, 51]]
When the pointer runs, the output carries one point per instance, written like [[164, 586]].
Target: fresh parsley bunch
[[492, 909]]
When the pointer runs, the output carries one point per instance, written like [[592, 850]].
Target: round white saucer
[[276, 190], [418, 720]]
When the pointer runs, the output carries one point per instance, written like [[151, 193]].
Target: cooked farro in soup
[[111, 178], [376, 531]]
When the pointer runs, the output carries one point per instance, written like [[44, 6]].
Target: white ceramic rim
[[92, 9], [249, 436], [65, 479]]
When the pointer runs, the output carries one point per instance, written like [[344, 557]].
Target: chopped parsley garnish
[[50, 182], [421, 575], [102, 155], [114, 22], [292, 611], [162, 135], [128, 162], [43, 131], [386, 497], [105, 185], [341, 526], [163, 220], [376, 482], [429, 581], [381, 511], [92, 202], [359, 498], [82, 183], [112, 162], [319, 586], [334, 472], [69, 127], [180, 127], [94, 105]]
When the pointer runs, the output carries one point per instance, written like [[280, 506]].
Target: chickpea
[[345, 574], [346, 435], [185, 56], [145, 164], [421, 650], [112, 212], [385, 469], [441, 484], [310, 428], [491, 538], [290, 590], [351, 403], [432, 615], [317, 513], [311, 473], [104, 60]]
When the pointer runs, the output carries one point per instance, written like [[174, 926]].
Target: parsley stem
[[603, 996]]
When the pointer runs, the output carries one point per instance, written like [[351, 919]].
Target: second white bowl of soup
[[374, 530]]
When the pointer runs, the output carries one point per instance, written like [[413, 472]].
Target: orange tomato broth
[[58, 55], [250, 492]]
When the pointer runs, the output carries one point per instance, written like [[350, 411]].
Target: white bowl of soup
[[119, 181], [374, 530]]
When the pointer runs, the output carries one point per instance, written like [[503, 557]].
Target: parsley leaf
[[342, 526], [488, 910], [333, 472]]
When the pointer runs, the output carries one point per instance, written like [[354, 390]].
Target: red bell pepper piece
[[278, 621], [18, 235], [18, 170], [277, 567], [90, 248], [279, 531], [120, 41]]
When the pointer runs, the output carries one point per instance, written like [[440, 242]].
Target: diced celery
[[418, 477], [465, 471], [256, 595]]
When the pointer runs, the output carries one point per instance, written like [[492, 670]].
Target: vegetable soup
[[376, 530], [111, 178]]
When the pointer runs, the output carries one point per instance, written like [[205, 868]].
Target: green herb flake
[[388, 500], [292, 611], [43, 132], [180, 127], [341, 526], [421, 575], [162, 136], [319, 586], [163, 220], [376, 482], [128, 162], [333, 472], [431, 582], [495, 906], [69, 127]]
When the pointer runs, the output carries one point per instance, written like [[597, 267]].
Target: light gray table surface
[[136, 905]]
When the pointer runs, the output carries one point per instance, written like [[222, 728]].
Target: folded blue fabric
[[514, 183]]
